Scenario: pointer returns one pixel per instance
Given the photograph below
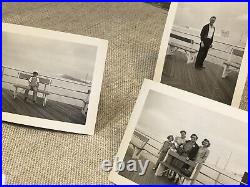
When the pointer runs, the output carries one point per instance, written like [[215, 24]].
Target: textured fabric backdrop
[[134, 31]]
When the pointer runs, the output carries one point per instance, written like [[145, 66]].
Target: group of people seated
[[189, 149]]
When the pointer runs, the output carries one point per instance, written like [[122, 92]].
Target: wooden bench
[[230, 64], [85, 104], [167, 165], [138, 142], [46, 82], [189, 50]]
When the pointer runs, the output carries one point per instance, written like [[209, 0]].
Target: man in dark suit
[[191, 148], [207, 36]]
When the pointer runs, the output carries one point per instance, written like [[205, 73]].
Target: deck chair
[[233, 62], [138, 141]]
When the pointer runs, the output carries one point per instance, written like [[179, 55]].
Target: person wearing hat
[[164, 149], [33, 86]]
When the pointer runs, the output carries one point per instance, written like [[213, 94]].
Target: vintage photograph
[[185, 138], [203, 49], [51, 79]]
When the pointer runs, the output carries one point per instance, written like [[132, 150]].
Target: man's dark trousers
[[202, 54]]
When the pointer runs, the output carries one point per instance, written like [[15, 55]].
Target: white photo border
[[173, 92], [243, 73], [102, 47]]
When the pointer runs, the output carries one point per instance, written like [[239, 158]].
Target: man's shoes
[[34, 102]]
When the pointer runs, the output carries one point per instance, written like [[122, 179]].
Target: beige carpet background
[[134, 31]]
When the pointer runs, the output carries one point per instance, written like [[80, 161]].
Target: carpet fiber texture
[[134, 31]]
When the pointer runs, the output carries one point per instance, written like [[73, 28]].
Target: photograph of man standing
[[207, 35], [205, 56]]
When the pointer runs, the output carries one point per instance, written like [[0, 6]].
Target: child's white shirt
[[34, 81]]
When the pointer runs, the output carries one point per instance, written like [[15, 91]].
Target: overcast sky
[[230, 16], [49, 57], [163, 115]]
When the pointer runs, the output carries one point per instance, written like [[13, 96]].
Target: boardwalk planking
[[206, 82], [148, 178], [54, 110]]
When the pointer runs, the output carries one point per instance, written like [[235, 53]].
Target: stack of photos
[[185, 128], [184, 132], [51, 79]]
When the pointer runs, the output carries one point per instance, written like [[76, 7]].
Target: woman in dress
[[164, 149], [201, 156]]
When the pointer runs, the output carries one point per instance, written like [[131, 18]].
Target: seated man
[[33, 86]]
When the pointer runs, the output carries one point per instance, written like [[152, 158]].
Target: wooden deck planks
[[54, 110], [148, 178], [206, 82]]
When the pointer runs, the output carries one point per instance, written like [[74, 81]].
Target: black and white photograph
[[203, 50], [177, 147], [51, 79]]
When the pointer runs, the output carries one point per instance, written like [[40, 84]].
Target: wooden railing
[[227, 45], [215, 41], [219, 173], [87, 85]]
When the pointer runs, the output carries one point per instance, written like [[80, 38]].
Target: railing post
[[217, 178]]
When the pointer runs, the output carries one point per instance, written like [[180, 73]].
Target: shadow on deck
[[54, 110], [149, 176], [206, 82]]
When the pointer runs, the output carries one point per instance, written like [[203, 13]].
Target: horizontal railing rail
[[216, 41], [60, 87], [202, 173], [230, 46], [216, 181], [49, 77], [69, 97], [221, 173]]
